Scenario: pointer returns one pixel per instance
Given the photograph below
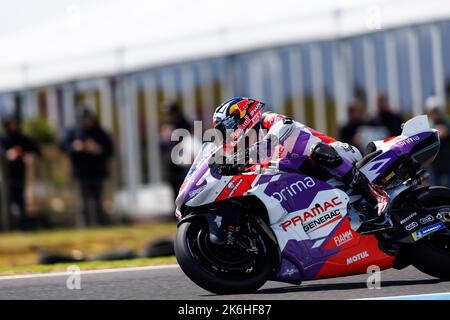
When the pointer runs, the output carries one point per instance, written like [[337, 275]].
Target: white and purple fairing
[[414, 131], [201, 186], [306, 214]]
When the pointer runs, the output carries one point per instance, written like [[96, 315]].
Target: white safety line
[[59, 274], [428, 296]]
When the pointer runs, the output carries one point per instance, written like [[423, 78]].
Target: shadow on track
[[341, 286], [345, 286]]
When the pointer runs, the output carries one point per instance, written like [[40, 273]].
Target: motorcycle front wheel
[[222, 269]]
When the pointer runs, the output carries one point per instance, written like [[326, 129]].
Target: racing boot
[[343, 169], [376, 198]]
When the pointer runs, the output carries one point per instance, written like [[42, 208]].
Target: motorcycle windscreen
[[206, 150], [416, 125]]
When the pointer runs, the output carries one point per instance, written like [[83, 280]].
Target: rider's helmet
[[236, 117]]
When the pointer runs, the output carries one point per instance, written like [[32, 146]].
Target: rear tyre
[[220, 269], [431, 255]]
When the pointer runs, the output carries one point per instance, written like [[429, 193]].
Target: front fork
[[225, 228], [224, 223]]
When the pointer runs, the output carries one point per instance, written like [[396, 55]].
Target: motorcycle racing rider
[[286, 138]]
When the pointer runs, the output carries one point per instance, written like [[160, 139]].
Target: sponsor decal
[[408, 218], [246, 122], [218, 221], [316, 211], [429, 218], [294, 188], [411, 226], [408, 141], [195, 192], [343, 238], [390, 176], [270, 118], [279, 149], [358, 257], [427, 230], [234, 187], [254, 109], [289, 272], [443, 214], [376, 166], [323, 221], [347, 147]]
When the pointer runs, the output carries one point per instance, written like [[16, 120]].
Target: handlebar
[[228, 169]]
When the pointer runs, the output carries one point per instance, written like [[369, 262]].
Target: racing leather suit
[[288, 139]]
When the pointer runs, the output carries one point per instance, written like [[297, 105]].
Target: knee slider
[[325, 155]]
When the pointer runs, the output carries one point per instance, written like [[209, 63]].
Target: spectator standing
[[174, 119], [18, 151], [89, 147], [386, 117], [349, 133], [440, 168]]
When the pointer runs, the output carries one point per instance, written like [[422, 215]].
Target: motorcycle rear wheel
[[432, 254], [219, 269]]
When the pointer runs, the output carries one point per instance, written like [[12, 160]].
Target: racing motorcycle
[[238, 230]]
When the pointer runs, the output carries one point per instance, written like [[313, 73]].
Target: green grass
[[62, 267], [17, 249]]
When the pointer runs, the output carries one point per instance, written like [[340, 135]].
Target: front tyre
[[221, 269]]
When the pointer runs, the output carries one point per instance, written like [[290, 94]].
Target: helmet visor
[[228, 126]]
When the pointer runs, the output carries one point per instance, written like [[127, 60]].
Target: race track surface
[[171, 283]]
